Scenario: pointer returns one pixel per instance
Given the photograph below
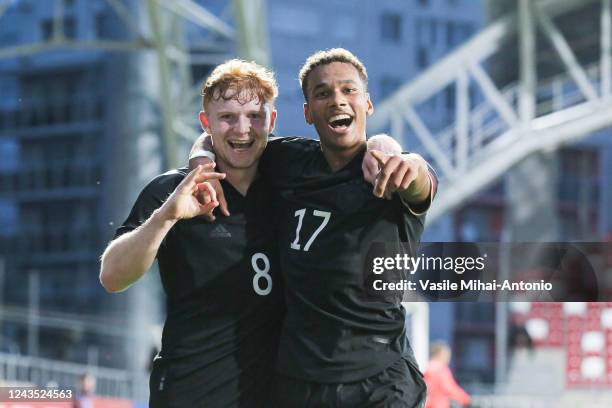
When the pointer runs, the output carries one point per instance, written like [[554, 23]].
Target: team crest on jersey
[[220, 232]]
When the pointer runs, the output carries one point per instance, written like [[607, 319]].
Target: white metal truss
[[488, 138], [162, 33]]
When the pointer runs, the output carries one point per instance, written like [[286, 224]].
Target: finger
[[202, 197], [367, 175], [223, 202], [369, 167], [396, 164], [188, 183], [210, 202], [207, 210], [191, 175], [408, 179], [208, 190], [404, 169], [380, 157], [386, 171], [211, 175]]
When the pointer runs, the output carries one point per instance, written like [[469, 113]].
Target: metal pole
[[606, 49], [33, 312], [501, 312], [418, 330], [567, 55], [159, 40], [58, 21], [252, 30], [420, 333], [397, 129], [462, 112], [527, 60], [2, 277]]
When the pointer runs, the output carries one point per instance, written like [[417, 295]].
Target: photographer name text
[[474, 284]]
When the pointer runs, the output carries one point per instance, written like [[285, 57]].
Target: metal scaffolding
[[162, 32], [487, 137]]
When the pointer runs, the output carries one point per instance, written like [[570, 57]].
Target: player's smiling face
[[338, 105], [239, 130]]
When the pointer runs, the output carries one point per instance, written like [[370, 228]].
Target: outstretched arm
[[390, 171], [129, 256], [408, 175]]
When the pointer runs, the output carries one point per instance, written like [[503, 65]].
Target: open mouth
[[339, 122], [240, 144]]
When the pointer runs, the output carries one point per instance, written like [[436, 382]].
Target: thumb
[[369, 167], [380, 157]]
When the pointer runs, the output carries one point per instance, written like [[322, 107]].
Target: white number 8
[[261, 273]]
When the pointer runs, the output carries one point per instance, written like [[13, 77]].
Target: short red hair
[[240, 80]]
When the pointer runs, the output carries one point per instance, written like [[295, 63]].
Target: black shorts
[[170, 387], [400, 385]]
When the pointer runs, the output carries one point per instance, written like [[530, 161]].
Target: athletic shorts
[[400, 385], [172, 388]]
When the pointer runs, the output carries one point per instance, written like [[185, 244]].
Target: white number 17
[[300, 213]]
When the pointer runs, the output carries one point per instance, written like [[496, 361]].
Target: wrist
[[164, 218]]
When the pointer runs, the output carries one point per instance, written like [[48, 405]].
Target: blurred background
[[510, 100]]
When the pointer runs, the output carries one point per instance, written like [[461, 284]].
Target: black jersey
[[329, 223], [223, 296]]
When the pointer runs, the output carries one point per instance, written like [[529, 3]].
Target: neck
[[338, 158], [241, 179]]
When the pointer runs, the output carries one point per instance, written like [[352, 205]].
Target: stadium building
[[82, 129]]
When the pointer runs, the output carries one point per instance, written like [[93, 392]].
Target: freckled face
[[239, 130]]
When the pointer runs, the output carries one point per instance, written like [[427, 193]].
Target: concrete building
[[80, 126]]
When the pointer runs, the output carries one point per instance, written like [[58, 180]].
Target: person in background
[[441, 385], [87, 385]]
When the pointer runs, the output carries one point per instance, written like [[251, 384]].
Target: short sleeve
[[150, 199]]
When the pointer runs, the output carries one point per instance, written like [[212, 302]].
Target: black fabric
[[220, 337], [400, 385], [333, 332]]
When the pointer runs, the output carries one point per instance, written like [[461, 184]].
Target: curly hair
[[240, 80], [327, 57]]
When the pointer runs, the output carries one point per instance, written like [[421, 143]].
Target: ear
[[204, 122], [370, 108], [272, 121], [307, 115]]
